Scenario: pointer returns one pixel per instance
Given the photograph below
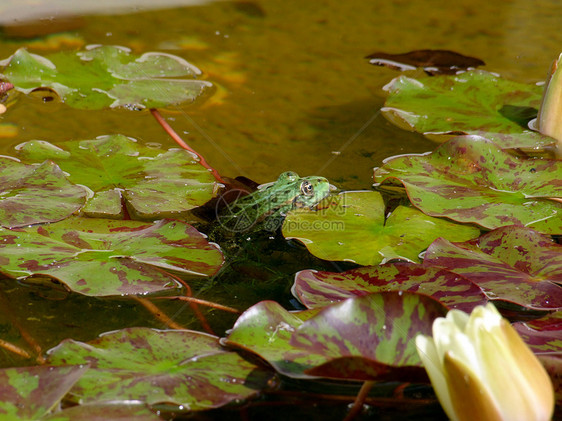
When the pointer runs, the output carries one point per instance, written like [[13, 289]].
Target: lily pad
[[361, 338], [512, 263], [31, 194], [106, 76], [180, 367], [100, 257], [470, 179], [29, 393], [154, 183], [317, 289], [109, 411], [544, 336], [474, 102], [352, 227]]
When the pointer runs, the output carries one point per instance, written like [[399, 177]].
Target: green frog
[[271, 202]]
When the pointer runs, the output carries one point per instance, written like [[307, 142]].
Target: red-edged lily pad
[[361, 338], [470, 179], [513, 264], [153, 183], [317, 289], [29, 393], [181, 367], [108, 257], [107, 76], [353, 227], [474, 102], [31, 194]]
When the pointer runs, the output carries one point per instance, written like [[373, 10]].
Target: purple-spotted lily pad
[[474, 102], [154, 183], [31, 194], [106, 76], [107, 411], [470, 179], [101, 257], [512, 263], [29, 393], [181, 367], [317, 289], [361, 338], [353, 227], [544, 336]]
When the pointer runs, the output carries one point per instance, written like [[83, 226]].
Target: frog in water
[[271, 202]]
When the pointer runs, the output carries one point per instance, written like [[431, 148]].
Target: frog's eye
[[307, 188]]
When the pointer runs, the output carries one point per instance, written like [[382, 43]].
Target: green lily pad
[[361, 338], [544, 335], [107, 411], [318, 289], [475, 102], [181, 367], [154, 183], [31, 194], [352, 227], [512, 263], [106, 76], [100, 257], [29, 393], [470, 179]]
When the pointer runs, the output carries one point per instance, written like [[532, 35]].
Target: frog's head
[[312, 190]]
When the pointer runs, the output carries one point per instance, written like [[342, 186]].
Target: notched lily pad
[[470, 179], [153, 183], [512, 263], [100, 257], [474, 102], [317, 289], [107, 76], [31, 194], [362, 338], [352, 227], [180, 367], [29, 393], [432, 61]]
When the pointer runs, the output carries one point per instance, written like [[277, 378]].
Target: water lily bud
[[481, 369], [549, 119]]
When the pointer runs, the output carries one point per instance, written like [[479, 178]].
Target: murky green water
[[294, 92]]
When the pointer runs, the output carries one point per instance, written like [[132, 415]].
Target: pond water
[[293, 92]]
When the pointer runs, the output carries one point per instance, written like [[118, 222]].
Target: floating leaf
[[362, 338], [107, 411], [317, 289], [352, 227], [511, 263], [181, 367], [432, 61], [106, 76], [153, 182], [544, 336], [470, 179], [474, 102], [31, 194], [28, 393], [107, 257]]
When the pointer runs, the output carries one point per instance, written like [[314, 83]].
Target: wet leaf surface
[[513, 264], [107, 76], [470, 179], [102, 257], [369, 337], [180, 367], [475, 102], [432, 61], [109, 411], [154, 183], [34, 194], [28, 393], [544, 335], [317, 289], [352, 227]]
